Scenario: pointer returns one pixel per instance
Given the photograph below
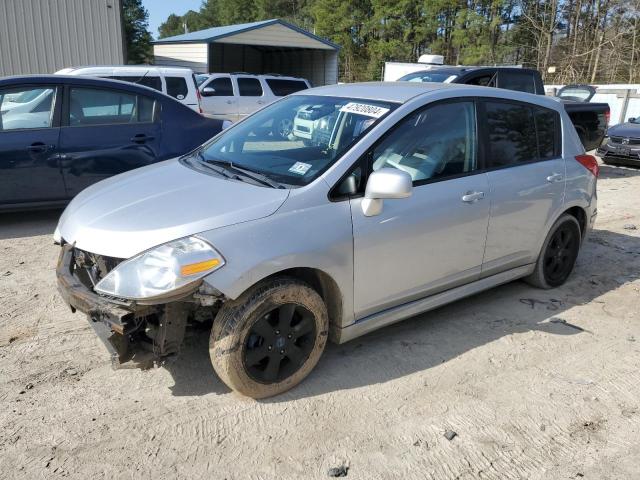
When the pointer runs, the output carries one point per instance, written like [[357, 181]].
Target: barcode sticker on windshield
[[300, 168], [364, 109]]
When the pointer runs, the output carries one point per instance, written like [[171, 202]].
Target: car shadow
[[607, 261], [617, 171], [28, 223]]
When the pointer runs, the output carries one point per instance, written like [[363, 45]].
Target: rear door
[[105, 132], [29, 131], [221, 102], [527, 178], [251, 96]]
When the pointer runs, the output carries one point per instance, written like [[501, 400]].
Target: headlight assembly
[[161, 270]]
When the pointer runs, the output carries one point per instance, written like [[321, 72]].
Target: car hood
[[129, 213], [625, 130]]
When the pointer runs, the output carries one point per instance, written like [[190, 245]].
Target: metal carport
[[269, 46]]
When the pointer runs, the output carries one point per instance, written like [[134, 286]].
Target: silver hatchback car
[[400, 198]]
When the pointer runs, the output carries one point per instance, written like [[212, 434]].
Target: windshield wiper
[[252, 174]]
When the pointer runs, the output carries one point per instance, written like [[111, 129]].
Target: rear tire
[[558, 255], [270, 338]]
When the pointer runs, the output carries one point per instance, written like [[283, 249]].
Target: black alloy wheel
[[279, 343], [561, 254]]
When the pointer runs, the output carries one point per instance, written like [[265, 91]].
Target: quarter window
[[519, 81], [512, 134], [177, 87], [437, 142], [26, 108], [92, 106], [548, 130], [282, 87], [249, 87]]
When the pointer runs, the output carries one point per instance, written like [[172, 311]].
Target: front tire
[[558, 255], [270, 338]]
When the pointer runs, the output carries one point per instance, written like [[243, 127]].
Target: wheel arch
[[324, 284], [579, 214]]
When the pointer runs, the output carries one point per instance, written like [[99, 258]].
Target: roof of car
[[79, 80], [463, 69], [403, 92], [129, 68], [399, 92]]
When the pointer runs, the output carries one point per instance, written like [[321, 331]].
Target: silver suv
[[413, 196]]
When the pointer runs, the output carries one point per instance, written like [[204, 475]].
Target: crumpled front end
[[135, 335]]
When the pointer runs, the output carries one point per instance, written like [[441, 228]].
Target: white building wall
[[190, 55]]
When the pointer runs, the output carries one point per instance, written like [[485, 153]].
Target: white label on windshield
[[364, 109], [300, 168]]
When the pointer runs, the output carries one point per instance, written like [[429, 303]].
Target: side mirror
[[632, 119], [385, 183], [208, 92]]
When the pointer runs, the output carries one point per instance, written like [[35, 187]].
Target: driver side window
[[436, 142]]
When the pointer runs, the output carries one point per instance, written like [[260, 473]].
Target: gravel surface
[[511, 383]]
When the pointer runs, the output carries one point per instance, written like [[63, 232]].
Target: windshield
[[438, 77], [296, 139], [577, 94], [200, 78]]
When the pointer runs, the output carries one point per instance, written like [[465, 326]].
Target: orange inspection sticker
[[364, 109]]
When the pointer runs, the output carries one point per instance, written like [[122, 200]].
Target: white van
[[176, 82], [233, 96]]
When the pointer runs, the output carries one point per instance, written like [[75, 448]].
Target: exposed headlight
[[161, 270]]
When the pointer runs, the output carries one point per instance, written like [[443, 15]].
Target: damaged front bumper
[[135, 335]]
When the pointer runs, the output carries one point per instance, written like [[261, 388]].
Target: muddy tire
[[558, 255], [270, 338]]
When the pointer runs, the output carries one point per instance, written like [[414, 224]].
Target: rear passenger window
[[222, 86], [512, 134], [249, 87], [177, 87], [92, 106], [519, 81], [281, 87], [439, 141], [151, 82], [548, 129]]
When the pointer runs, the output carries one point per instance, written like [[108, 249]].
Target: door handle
[[141, 138], [260, 102], [555, 177], [471, 197], [229, 102], [39, 147]]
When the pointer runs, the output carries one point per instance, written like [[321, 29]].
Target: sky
[[159, 10]]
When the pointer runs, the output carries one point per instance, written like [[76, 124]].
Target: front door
[[527, 179], [106, 132], [221, 102], [29, 170], [433, 240]]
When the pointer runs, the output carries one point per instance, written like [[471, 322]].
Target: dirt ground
[[536, 384]]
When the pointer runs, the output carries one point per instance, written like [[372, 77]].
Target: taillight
[[199, 99], [590, 163], [607, 115]]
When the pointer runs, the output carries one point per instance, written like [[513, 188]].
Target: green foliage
[[466, 32], [136, 32]]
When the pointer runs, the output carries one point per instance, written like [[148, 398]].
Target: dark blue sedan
[[60, 134]]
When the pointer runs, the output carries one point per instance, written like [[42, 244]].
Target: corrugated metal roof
[[216, 33]]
